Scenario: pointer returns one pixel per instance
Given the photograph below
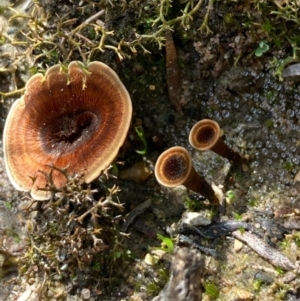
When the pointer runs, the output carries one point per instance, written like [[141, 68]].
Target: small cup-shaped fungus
[[205, 134], [75, 119], [174, 167]]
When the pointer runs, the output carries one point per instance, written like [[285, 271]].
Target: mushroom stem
[[205, 134], [198, 184], [174, 167]]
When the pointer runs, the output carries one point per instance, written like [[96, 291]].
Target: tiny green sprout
[[257, 283], [280, 271], [15, 235], [2, 40], [153, 288], [262, 48], [252, 202], [242, 230], [281, 294], [230, 194], [8, 205], [288, 166], [267, 27], [211, 290], [212, 213], [229, 18], [96, 267], [237, 216], [285, 243], [140, 132], [192, 204], [167, 244], [296, 237], [2, 9], [269, 123], [114, 168], [117, 255], [163, 275]]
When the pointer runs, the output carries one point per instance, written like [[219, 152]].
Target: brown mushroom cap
[[173, 167], [76, 120], [204, 134]]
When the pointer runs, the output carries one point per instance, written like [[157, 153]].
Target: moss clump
[[211, 290], [74, 238]]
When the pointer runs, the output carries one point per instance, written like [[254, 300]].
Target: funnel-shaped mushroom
[[205, 134], [174, 167], [75, 119]]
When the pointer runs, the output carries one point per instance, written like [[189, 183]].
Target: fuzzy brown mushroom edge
[[75, 118], [205, 135], [174, 167]]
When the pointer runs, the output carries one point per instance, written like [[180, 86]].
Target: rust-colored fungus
[[205, 134], [174, 167], [75, 119]]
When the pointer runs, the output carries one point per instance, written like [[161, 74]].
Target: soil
[[221, 77]]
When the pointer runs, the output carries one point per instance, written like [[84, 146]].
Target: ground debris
[[185, 280], [173, 76], [264, 250]]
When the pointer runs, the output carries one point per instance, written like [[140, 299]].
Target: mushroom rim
[[200, 125], [5, 148], [158, 170], [98, 167]]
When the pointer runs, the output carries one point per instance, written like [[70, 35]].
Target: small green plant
[[257, 284], [237, 216], [230, 194], [281, 293], [211, 290], [262, 48], [212, 213], [140, 132], [269, 123], [289, 166], [296, 237], [167, 244], [285, 244], [153, 288], [279, 271], [192, 204], [8, 205], [14, 234], [242, 230]]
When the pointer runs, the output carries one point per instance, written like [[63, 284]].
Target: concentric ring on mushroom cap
[[173, 166], [204, 134], [76, 120]]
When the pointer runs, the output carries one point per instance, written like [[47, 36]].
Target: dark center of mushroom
[[175, 167], [205, 135], [67, 132]]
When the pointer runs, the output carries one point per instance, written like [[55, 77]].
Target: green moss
[[257, 284], [15, 235], [296, 237], [192, 204], [289, 166], [152, 288], [269, 123], [212, 290], [237, 216], [8, 205], [229, 18], [281, 293]]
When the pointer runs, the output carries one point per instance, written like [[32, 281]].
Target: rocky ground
[[232, 69]]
